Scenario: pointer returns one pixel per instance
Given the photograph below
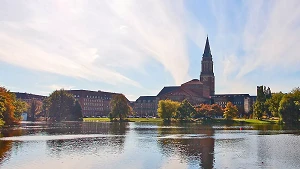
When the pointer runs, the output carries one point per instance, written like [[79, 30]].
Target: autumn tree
[[10, 107], [184, 110], [167, 109], [230, 111], [216, 110], [120, 107]]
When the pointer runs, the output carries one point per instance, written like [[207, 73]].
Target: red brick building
[[195, 91], [93, 103]]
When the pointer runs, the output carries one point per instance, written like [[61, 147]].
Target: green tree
[[258, 109], [61, 104], [76, 112], [273, 103], [167, 109], [184, 110], [21, 107], [120, 107], [45, 108], [289, 109], [230, 111]]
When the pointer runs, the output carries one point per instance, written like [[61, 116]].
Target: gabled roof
[[167, 89]]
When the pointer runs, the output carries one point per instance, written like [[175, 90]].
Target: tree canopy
[[167, 109], [184, 110], [10, 107], [230, 111], [120, 107], [59, 106]]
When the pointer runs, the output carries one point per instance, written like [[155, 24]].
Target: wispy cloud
[[96, 40], [267, 36]]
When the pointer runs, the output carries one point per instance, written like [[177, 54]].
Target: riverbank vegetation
[[285, 106], [10, 107], [62, 106]]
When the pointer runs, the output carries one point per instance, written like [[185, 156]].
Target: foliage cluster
[[61, 106], [10, 107], [120, 107], [168, 109], [285, 106]]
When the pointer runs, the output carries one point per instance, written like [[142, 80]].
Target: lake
[[147, 145]]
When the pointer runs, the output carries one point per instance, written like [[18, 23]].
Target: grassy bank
[[217, 121], [129, 119]]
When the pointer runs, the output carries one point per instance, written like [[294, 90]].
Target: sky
[[136, 47]]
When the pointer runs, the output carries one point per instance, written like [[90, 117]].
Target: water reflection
[[112, 135], [6, 146], [148, 145], [193, 143]]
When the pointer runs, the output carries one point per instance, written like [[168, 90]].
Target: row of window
[[93, 104], [94, 97], [93, 108], [95, 100], [224, 103]]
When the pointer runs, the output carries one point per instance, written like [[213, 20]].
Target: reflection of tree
[[191, 149], [6, 145], [109, 135]]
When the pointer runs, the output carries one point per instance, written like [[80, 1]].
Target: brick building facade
[[93, 103]]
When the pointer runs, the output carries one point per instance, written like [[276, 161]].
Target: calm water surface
[[147, 145]]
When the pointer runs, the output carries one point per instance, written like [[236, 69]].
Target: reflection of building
[[93, 103], [198, 150]]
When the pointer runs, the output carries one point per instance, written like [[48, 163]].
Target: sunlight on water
[[147, 145]]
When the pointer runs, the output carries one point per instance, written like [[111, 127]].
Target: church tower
[[207, 76]]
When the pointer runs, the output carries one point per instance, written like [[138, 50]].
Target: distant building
[[195, 91], [93, 103], [27, 97], [146, 106]]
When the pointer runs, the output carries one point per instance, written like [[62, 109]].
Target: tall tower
[[207, 76]]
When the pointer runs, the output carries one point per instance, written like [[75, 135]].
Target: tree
[[258, 109], [45, 108], [61, 105], [230, 111], [273, 103], [289, 109], [7, 107], [34, 109], [216, 110], [76, 112], [184, 110], [120, 107], [167, 109]]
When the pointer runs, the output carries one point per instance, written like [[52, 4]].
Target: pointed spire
[[207, 52]]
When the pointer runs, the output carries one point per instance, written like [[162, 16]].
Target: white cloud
[[271, 36], [96, 40]]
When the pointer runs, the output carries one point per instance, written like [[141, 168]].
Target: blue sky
[[138, 47]]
